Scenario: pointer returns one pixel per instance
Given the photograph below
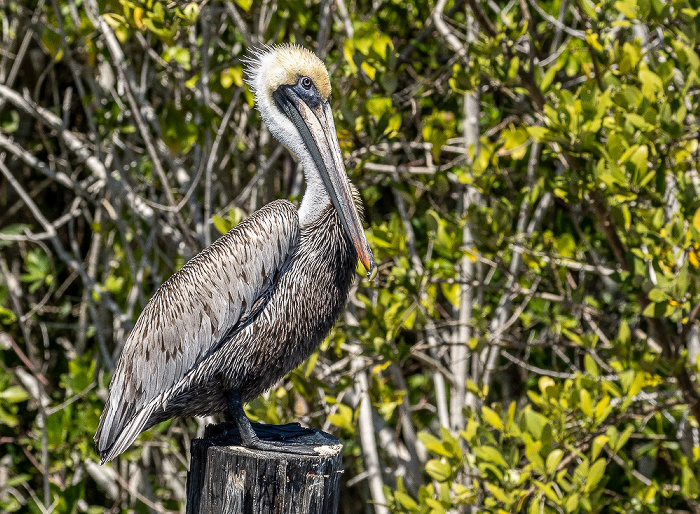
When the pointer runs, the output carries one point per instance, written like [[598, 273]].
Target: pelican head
[[292, 92]]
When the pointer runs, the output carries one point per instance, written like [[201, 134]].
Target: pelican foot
[[251, 433], [280, 432], [283, 447]]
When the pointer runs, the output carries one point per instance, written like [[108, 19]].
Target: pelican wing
[[192, 314]]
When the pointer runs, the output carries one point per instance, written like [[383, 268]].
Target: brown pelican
[[252, 306]]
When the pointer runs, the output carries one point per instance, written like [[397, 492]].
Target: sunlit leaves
[[437, 129], [245, 4], [232, 76], [151, 16], [343, 418], [439, 470], [178, 54], [38, 270], [181, 131], [9, 398], [586, 413]]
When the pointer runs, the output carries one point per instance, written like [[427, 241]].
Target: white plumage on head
[[269, 68]]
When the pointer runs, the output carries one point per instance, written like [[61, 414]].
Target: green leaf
[[623, 438], [534, 422], [435, 506], [158, 13], [438, 470], [14, 394], [590, 366], [497, 492], [548, 491], [378, 107], [572, 503], [585, 403], [539, 134], [8, 419], [639, 158], [657, 295], [114, 284], [598, 444], [624, 335], [696, 220], [191, 11], [492, 418], [437, 129], [245, 4], [490, 454], [549, 76], [651, 84], [221, 224], [690, 487], [433, 444], [178, 54], [628, 8], [406, 501], [7, 317], [231, 76], [603, 409], [553, 460], [114, 20], [658, 310], [595, 474], [637, 121], [342, 418]]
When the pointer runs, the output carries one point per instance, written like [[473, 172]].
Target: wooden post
[[227, 478]]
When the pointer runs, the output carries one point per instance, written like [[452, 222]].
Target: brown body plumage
[[256, 303]]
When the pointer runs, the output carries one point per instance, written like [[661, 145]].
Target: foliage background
[[529, 170]]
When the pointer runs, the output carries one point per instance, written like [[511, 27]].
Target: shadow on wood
[[227, 478]]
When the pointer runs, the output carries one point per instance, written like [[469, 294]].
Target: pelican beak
[[317, 129]]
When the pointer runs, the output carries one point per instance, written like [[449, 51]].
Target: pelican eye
[[306, 90]]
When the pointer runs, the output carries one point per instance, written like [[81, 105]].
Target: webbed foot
[[251, 433]]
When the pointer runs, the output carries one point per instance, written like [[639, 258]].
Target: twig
[[126, 76], [369, 443], [212, 159], [73, 142], [578, 34], [427, 31], [15, 347], [15, 293], [24, 45], [451, 40], [345, 17], [65, 257], [241, 25]]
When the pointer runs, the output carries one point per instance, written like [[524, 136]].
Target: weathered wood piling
[[227, 478]]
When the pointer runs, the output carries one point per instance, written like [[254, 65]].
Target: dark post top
[[227, 478]]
